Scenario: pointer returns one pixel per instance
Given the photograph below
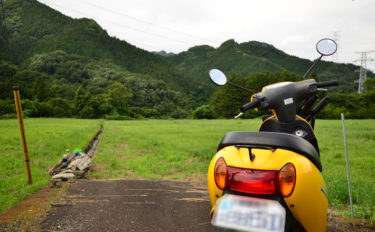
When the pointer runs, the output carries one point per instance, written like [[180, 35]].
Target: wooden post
[[17, 100]]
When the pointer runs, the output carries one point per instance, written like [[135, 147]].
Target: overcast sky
[[293, 26]]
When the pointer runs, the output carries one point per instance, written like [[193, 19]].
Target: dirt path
[[130, 205], [127, 205], [141, 206]]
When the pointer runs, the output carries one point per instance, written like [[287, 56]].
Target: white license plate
[[249, 214]]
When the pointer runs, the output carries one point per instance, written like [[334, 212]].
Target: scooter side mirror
[[218, 77], [326, 47]]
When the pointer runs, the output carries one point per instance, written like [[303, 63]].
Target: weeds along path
[[47, 140], [26, 213]]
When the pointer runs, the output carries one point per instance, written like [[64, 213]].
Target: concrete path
[[130, 205], [142, 206]]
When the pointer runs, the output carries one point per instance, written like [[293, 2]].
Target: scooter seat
[[273, 140]]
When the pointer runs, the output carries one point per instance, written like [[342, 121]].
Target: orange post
[[17, 100]]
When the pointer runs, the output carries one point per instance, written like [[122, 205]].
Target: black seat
[[274, 140]]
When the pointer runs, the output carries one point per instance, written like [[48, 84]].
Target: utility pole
[[336, 38], [363, 69]]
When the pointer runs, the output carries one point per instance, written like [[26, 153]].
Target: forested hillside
[[253, 57], [31, 28], [41, 50], [64, 85], [72, 68]]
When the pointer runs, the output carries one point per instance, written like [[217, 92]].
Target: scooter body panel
[[308, 202]]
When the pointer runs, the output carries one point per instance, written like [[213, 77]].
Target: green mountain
[[67, 53], [72, 68], [253, 57], [32, 28]]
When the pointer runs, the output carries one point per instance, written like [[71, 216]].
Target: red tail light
[[252, 181], [266, 182]]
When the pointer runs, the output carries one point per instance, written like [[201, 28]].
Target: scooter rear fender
[[308, 203]]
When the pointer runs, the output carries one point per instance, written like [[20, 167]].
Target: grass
[[175, 149], [47, 141], [183, 148], [161, 148], [361, 148]]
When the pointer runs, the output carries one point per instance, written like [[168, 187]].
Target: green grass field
[[161, 148], [47, 141], [183, 149], [175, 149]]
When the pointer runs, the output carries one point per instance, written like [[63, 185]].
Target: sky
[[293, 26]]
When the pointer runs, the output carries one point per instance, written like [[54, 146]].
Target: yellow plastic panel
[[308, 203]]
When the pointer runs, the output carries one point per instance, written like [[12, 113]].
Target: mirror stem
[[312, 66], [240, 87]]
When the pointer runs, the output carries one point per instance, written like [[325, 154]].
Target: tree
[[60, 107], [7, 70], [227, 100], [119, 95], [87, 112], [370, 84], [7, 106], [204, 112], [81, 99], [40, 90]]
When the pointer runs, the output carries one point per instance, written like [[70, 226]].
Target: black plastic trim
[[273, 125], [274, 140]]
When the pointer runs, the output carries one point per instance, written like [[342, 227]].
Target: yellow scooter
[[271, 180]]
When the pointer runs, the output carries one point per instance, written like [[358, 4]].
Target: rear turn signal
[[287, 179], [221, 173]]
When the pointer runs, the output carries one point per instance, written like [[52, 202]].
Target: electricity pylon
[[363, 69]]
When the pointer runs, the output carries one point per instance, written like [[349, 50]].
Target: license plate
[[249, 214]]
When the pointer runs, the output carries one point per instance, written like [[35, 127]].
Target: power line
[[149, 23], [123, 25], [363, 69]]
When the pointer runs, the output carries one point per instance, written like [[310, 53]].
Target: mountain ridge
[[55, 58], [252, 57], [43, 29]]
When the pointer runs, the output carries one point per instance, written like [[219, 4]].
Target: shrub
[[204, 112]]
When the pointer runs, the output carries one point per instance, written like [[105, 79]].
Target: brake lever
[[238, 115]]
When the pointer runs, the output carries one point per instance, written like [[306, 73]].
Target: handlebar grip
[[327, 83], [247, 106]]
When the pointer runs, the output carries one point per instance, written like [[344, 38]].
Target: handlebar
[[253, 104], [283, 98], [327, 84], [250, 105]]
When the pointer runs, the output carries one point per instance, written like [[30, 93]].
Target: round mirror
[[218, 77], [326, 47]]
